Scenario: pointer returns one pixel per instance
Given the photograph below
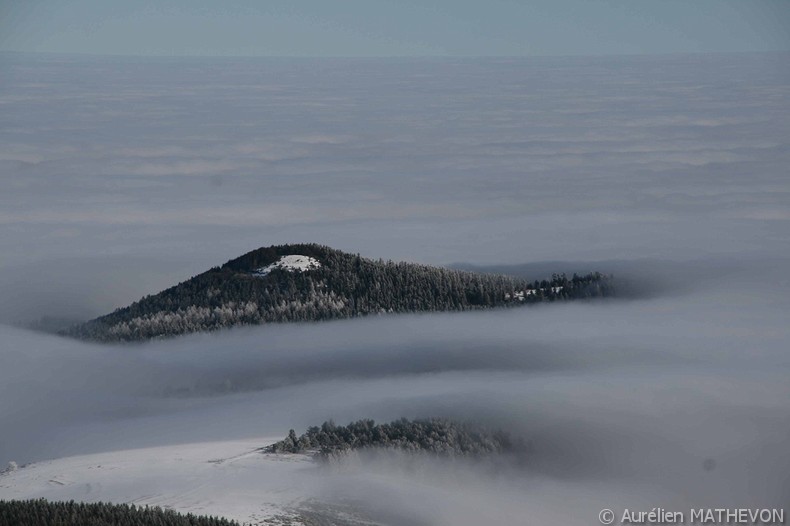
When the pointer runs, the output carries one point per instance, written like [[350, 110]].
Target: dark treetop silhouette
[[309, 282]]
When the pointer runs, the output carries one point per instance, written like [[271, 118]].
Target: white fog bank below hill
[[676, 401]]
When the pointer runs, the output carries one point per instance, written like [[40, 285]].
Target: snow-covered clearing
[[232, 479], [291, 263]]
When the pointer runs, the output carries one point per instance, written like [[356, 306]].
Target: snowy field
[[232, 479]]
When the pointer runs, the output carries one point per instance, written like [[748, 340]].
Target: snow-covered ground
[[232, 479], [291, 263]]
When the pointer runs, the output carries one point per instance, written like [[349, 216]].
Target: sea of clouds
[[121, 176]]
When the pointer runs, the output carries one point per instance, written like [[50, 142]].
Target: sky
[[394, 28]]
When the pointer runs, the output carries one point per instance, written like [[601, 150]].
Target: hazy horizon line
[[393, 57]]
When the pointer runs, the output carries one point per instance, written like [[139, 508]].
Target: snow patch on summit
[[291, 263]]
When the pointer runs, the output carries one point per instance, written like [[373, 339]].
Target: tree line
[[41, 512], [438, 436]]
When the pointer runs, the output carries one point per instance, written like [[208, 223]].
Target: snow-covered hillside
[[291, 263], [232, 479]]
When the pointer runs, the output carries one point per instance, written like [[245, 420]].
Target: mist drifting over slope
[[127, 175], [678, 401]]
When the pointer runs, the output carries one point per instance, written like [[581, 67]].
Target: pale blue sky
[[394, 28]]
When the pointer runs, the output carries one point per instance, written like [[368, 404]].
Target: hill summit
[[309, 282]]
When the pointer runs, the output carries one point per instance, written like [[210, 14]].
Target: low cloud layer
[[673, 401], [119, 177], [126, 175], [486, 161]]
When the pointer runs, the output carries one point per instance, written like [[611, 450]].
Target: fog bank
[[679, 400]]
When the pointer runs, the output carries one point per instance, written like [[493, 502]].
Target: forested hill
[[308, 282], [437, 436]]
